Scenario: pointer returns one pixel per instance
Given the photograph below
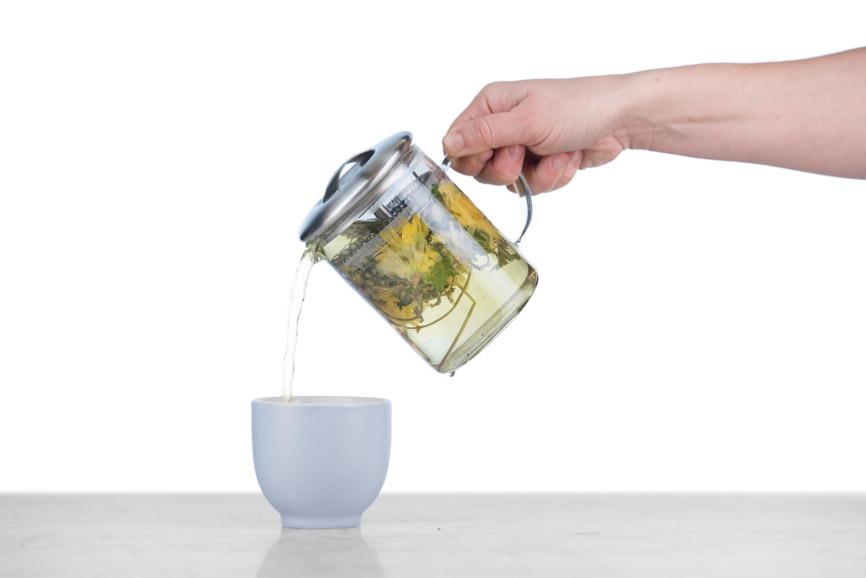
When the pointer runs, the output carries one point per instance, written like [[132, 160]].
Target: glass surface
[[433, 266]]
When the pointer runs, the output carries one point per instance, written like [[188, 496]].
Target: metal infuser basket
[[420, 252]]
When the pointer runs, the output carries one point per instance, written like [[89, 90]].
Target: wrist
[[666, 108], [644, 116]]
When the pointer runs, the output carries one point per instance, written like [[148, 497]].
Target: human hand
[[548, 129], [801, 114]]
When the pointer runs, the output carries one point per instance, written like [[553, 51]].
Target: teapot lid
[[349, 195]]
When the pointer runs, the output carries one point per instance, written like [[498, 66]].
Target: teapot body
[[431, 264]]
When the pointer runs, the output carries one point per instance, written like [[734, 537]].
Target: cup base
[[323, 523]]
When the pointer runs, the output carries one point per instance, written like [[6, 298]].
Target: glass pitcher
[[415, 248]]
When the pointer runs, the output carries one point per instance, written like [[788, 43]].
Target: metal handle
[[522, 187]]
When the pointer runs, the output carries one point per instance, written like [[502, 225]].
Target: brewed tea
[[296, 305], [436, 268]]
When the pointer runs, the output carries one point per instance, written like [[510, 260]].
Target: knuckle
[[492, 87], [531, 119], [509, 173], [476, 164], [537, 186], [485, 130]]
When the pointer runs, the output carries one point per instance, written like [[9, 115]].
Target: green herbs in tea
[[439, 272]]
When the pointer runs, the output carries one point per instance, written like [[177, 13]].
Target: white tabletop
[[418, 535]]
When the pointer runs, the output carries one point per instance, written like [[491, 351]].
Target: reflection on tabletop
[[320, 553]]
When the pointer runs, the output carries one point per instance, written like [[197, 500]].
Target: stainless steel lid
[[349, 195]]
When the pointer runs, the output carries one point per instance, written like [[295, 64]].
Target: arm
[[807, 114]]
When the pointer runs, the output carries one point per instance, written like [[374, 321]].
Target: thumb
[[491, 131]]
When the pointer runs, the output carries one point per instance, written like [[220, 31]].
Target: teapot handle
[[522, 188]]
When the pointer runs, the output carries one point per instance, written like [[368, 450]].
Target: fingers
[[602, 153], [552, 172], [495, 97], [505, 166], [472, 165], [486, 133]]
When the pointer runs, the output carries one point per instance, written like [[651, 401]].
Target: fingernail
[[514, 152], [453, 142], [558, 163]]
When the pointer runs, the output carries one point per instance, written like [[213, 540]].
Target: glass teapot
[[415, 248]]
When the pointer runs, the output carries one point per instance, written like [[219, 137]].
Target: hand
[[548, 129]]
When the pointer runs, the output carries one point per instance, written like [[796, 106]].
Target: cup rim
[[321, 401]]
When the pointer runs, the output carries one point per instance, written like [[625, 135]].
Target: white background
[[698, 325]]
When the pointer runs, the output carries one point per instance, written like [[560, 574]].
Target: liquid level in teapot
[[436, 269]]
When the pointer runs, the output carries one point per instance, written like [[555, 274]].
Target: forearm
[[807, 114]]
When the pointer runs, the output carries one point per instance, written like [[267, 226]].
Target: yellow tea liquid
[[433, 266]]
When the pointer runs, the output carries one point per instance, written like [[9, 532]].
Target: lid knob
[[334, 183], [351, 192]]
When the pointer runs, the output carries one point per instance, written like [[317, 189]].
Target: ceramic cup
[[321, 461]]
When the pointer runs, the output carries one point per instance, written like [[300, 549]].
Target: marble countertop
[[442, 535]]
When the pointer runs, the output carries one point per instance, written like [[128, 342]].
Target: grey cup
[[321, 461]]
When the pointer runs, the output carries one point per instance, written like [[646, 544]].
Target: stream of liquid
[[296, 305]]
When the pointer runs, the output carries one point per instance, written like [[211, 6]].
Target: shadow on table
[[320, 553]]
